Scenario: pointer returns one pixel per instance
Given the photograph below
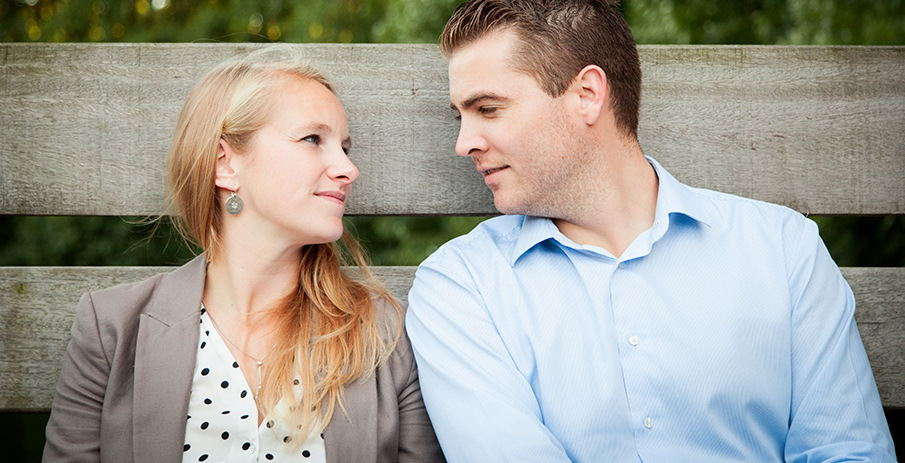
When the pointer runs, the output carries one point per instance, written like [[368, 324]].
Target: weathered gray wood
[[84, 128], [37, 306], [880, 313]]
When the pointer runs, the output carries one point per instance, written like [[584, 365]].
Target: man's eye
[[458, 117], [316, 139], [487, 110]]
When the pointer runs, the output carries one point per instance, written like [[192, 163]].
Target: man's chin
[[508, 207]]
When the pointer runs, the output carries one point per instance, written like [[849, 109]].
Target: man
[[617, 315]]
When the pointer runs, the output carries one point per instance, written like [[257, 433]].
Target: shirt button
[[648, 422], [622, 265], [633, 340], [251, 449]]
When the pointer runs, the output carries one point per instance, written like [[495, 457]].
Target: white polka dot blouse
[[222, 422]]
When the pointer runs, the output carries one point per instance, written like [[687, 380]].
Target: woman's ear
[[227, 176], [591, 86]]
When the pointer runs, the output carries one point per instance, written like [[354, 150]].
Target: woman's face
[[295, 176]]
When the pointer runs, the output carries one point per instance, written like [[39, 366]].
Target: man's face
[[520, 138]]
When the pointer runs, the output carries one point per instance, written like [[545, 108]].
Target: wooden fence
[[85, 129]]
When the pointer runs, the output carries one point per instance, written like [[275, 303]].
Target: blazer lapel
[[354, 437], [165, 363]]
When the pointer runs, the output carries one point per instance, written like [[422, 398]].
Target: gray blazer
[[123, 393]]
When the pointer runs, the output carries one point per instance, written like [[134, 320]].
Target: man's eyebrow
[[476, 99]]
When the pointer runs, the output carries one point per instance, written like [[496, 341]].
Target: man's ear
[[591, 86], [227, 176]]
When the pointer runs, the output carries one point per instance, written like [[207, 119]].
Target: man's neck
[[623, 211]]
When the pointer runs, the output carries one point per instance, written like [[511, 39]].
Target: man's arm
[[482, 408], [836, 410]]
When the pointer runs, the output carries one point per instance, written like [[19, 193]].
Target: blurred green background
[[70, 241]]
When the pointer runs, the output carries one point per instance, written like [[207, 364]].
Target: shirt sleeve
[[836, 413], [482, 407], [73, 431]]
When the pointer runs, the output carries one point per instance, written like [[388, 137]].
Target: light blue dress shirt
[[724, 333]]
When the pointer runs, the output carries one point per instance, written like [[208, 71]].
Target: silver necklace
[[260, 361]]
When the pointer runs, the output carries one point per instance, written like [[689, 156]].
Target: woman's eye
[[316, 139]]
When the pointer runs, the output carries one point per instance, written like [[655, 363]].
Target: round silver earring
[[233, 204]]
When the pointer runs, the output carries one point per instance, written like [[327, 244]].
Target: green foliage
[[407, 240], [864, 241], [414, 21], [341, 21], [784, 22], [812, 22], [96, 241]]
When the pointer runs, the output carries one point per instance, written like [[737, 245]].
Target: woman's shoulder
[[390, 314], [127, 300]]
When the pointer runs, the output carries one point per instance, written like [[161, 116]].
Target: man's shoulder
[[752, 224], [728, 209], [493, 237], [723, 211]]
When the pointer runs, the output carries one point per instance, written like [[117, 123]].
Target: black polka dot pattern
[[218, 425]]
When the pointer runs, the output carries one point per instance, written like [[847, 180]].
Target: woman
[[260, 349]]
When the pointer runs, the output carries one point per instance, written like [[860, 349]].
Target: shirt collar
[[672, 197], [675, 197]]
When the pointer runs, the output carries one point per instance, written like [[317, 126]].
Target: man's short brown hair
[[558, 38]]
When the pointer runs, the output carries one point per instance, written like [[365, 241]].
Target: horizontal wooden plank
[[37, 306], [85, 127]]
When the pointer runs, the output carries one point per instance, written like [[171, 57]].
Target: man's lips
[[490, 174], [492, 170]]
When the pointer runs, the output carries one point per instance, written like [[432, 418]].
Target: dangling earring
[[233, 203]]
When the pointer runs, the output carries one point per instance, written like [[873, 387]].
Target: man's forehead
[[481, 69], [469, 86]]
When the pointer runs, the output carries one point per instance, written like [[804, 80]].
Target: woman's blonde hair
[[329, 332]]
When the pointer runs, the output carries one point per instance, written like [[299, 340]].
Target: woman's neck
[[244, 282]]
